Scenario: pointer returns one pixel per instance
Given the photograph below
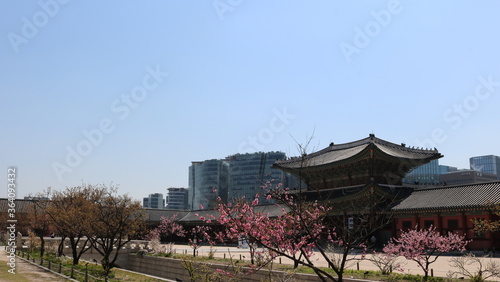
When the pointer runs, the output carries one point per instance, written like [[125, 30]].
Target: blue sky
[[130, 92]]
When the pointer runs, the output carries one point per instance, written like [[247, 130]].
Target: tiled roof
[[340, 152], [193, 216], [22, 206], [154, 215], [452, 197]]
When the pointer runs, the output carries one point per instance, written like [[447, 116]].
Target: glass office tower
[[427, 174], [487, 164], [207, 181], [249, 172]]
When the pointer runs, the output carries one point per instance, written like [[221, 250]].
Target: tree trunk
[[60, 248], [42, 246], [426, 271], [296, 261], [74, 251], [106, 266]]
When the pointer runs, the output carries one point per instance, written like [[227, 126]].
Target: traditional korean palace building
[[365, 178], [373, 168]]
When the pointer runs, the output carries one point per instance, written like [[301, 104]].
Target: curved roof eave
[[336, 154]]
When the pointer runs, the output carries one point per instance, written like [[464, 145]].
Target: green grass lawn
[[121, 275]]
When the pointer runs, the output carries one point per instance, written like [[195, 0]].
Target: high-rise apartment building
[[487, 164], [177, 198], [154, 201]]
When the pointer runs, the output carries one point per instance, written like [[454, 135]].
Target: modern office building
[[426, 174], [487, 164], [466, 176], [177, 198], [154, 201], [207, 181], [442, 169], [249, 172], [236, 176]]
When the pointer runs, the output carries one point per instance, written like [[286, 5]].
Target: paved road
[[440, 268]]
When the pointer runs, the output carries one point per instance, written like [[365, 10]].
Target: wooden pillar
[[439, 223], [394, 229], [464, 224], [491, 234]]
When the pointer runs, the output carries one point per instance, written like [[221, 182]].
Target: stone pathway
[[26, 271]]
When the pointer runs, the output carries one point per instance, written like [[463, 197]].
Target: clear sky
[[131, 92]]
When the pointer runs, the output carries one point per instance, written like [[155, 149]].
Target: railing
[[60, 268]]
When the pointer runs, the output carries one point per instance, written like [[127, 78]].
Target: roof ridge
[[457, 185], [371, 139]]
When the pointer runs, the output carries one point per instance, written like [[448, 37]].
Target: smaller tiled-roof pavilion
[[451, 209]]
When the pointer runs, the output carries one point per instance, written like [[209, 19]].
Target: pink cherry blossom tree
[[168, 228], [290, 234], [198, 235], [301, 229], [424, 246]]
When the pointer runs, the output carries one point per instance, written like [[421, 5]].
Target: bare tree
[[485, 268], [70, 211], [116, 219], [39, 220]]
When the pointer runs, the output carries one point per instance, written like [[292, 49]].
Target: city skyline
[[137, 91]]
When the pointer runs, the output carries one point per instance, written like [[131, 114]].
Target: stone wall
[[172, 269], [92, 254]]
